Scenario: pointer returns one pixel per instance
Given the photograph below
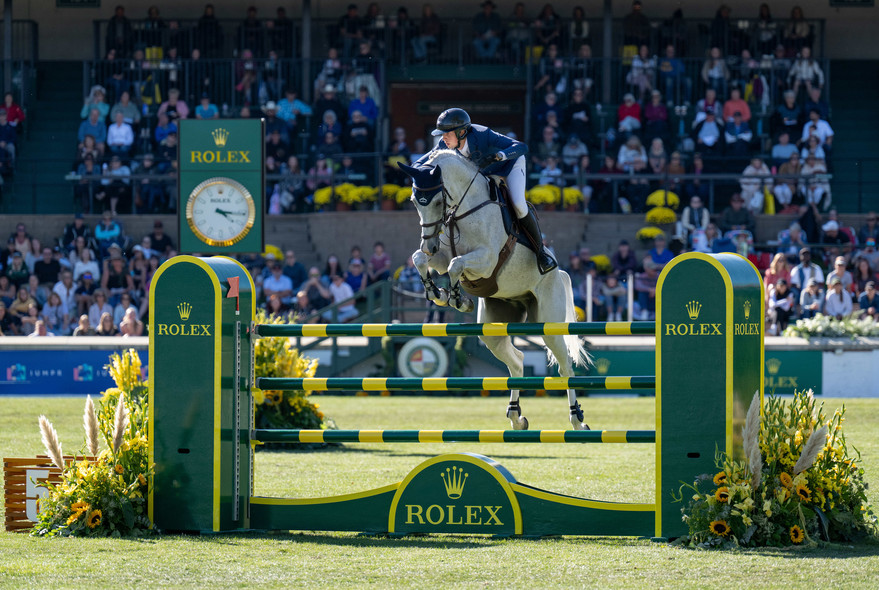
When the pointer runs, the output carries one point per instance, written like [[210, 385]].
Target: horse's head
[[427, 189]]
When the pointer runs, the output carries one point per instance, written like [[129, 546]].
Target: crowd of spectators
[[88, 282]]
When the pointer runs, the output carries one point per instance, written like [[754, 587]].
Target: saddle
[[499, 193]]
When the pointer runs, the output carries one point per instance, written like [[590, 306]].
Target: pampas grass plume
[[755, 464], [811, 449], [90, 424], [120, 424], [751, 441], [51, 442]]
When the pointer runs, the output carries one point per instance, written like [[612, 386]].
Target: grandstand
[[728, 83]]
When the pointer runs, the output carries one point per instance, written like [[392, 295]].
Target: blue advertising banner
[[56, 372]]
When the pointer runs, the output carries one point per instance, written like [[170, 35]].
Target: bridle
[[450, 217]]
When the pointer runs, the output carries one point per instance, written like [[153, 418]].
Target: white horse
[[463, 234]]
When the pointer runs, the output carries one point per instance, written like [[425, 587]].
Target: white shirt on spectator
[[81, 268], [68, 295], [277, 285], [837, 304], [808, 271], [120, 134], [822, 129]]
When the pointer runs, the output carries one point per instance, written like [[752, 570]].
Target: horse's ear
[[409, 170], [436, 173]]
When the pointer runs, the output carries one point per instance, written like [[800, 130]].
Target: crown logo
[[773, 365], [693, 309], [454, 481], [602, 365], [747, 306], [184, 309], [220, 136]]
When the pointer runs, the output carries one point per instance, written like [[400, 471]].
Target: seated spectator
[[659, 254], [870, 229], [16, 271], [756, 178], [780, 308], [7, 291], [572, 152], [838, 301], [355, 276], [116, 186], [95, 100], [656, 118], [365, 104], [277, 283], [577, 117], [694, 218], [738, 136], [709, 136], [787, 188], [863, 274], [817, 189], [164, 128], [778, 269], [819, 128], [487, 31], [151, 190], [675, 84], [95, 127], [206, 109], [379, 267], [160, 241], [66, 289], [85, 293], [632, 157], [788, 116], [736, 216], [706, 105], [120, 136], [715, 72], [329, 124], [813, 148], [642, 72], [293, 111], [8, 136], [131, 325], [174, 107], [623, 261], [14, 113], [781, 151], [839, 272], [811, 299], [40, 330], [657, 160], [806, 72], [816, 103], [359, 136], [551, 173], [115, 277], [645, 288], [124, 305], [89, 182], [273, 123], [99, 307], [129, 110], [629, 115], [548, 146], [341, 291], [89, 148], [84, 327], [18, 309], [276, 147], [868, 301], [734, 105], [869, 253], [106, 326], [56, 314], [805, 270], [47, 269]]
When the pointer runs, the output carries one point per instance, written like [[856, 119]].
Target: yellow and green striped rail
[[437, 330], [453, 383], [453, 436]]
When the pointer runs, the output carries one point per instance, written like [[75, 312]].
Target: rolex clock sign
[[221, 189]]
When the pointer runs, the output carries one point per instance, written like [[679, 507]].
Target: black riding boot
[[545, 261]]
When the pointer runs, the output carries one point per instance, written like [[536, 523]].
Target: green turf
[[608, 472]]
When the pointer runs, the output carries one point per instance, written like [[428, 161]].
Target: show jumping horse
[[463, 234]]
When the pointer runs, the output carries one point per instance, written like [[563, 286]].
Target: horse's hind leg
[[556, 345], [502, 348]]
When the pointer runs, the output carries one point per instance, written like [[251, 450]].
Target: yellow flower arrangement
[[323, 195], [662, 198], [403, 195], [602, 263], [545, 194], [660, 216], [797, 534], [389, 191], [571, 196], [649, 233]]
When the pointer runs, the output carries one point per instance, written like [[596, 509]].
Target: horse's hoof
[[578, 425], [520, 423], [441, 297], [466, 306]]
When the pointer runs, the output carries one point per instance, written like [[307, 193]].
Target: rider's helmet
[[456, 120]]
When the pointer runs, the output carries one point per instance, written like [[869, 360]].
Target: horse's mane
[[447, 153]]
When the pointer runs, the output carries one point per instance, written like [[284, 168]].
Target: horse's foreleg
[[432, 291], [556, 345], [502, 348], [479, 263]]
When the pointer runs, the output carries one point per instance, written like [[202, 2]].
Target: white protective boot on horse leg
[[459, 300]]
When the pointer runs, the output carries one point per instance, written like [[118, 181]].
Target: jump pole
[[709, 359]]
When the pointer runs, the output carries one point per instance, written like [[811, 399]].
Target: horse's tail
[[576, 349]]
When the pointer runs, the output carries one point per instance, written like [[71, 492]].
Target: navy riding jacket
[[484, 143]]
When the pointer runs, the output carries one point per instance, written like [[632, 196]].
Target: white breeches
[[516, 184]]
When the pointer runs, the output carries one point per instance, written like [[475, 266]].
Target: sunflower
[[719, 528], [79, 506], [804, 493], [722, 495], [796, 534], [786, 480], [94, 519], [119, 469], [720, 478], [141, 479], [74, 517]]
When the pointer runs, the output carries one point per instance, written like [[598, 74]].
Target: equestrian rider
[[496, 155]]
